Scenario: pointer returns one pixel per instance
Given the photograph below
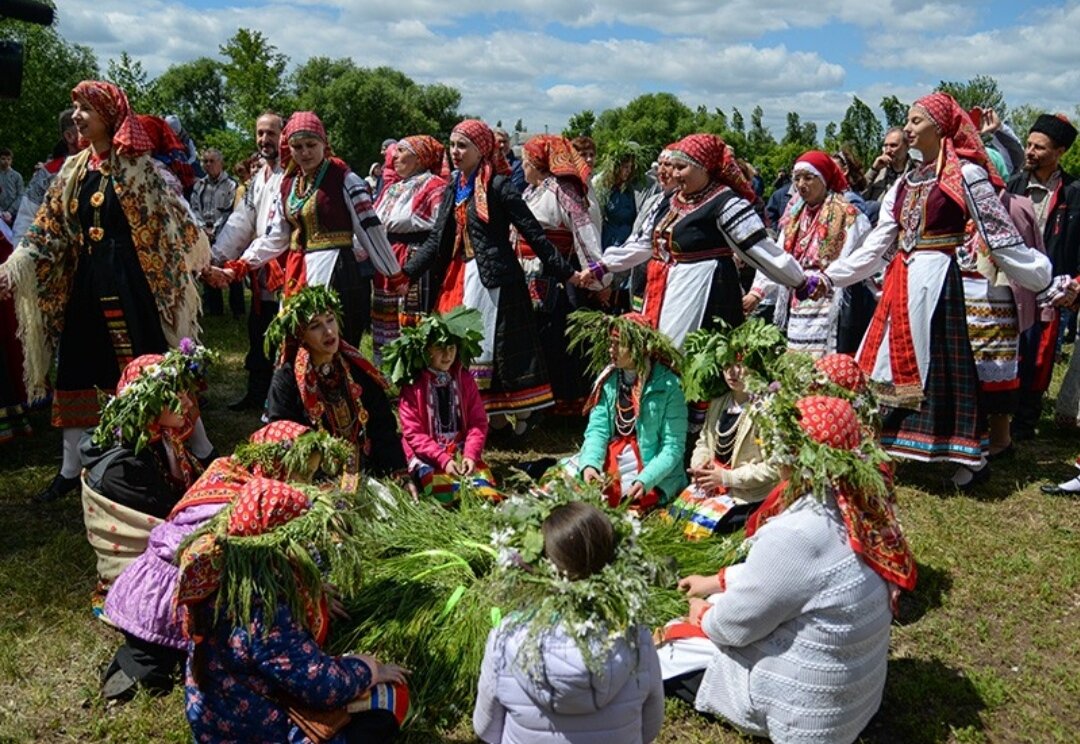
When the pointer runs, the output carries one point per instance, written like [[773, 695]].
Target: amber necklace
[[101, 164]]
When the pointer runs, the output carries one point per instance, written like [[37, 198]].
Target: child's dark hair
[[578, 539]]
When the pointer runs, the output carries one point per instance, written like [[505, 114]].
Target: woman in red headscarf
[[558, 179], [793, 643], [107, 271], [408, 208], [324, 218], [819, 226], [471, 251], [917, 352], [693, 237]]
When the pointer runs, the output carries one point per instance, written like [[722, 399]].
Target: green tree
[[801, 133], [895, 111], [361, 107], [831, 141], [981, 90], [737, 123], [580, 124], [653, 120], [194, 91], [861, 130], [51, 68], [254, 77], [760, 138], [519, 126], [129, 74], [1022, 118]]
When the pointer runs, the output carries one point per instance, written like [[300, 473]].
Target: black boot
[[57, 489]]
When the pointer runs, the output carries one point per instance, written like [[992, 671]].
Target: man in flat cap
[[1055, 196]]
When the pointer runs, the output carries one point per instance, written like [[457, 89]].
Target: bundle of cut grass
[[431, 594]]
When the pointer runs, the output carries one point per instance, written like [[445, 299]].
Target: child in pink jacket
[[443, 422]]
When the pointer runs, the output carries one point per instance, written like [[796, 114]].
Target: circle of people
[[752, 367]]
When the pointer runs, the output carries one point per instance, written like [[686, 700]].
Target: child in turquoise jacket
[[636, 436]]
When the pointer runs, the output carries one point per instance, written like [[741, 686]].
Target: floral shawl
[[827, 227], [170, 249]]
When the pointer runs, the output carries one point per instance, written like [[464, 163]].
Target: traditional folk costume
[[441, 412], [637, 417], [252, 589], [105, 273], [408, 209], [327, 224], [816, 236], [729, 440], [345, 397], [692, 241], [559, 205], [795, 644], [471, 252], [917, 352], [134, 468], [141, 600]]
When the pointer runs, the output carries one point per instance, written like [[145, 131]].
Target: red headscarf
[[555, 154], [843, 370], [168, 149], [264, 504], [959, 140], [306, 123], [824, 167], [492, 160], [428, 150], [830, 421], [111, 103], [710, 152]]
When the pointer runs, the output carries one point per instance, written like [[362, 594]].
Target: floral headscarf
[[428, 151], [959, 140], [128, 135], [552, 153], [843, 370], [492, 160], [710, 152]]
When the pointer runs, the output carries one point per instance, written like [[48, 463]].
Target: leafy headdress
[[597, 611], [275, 542], [406, 356], [296, 312], [593, 332], [150, 385], [755, 344], [279, 457]]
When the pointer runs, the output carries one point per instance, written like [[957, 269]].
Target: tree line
[[219, 98]]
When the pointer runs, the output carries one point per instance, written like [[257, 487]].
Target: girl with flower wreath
[[729, 473], [252, 590], [636, 436], [443, 422], [106, 273], [138, 462], [323, 382], [140, 601], [819, 225], [567, 668], [794, 642]]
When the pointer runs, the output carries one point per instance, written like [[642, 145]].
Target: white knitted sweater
[[802, 631]]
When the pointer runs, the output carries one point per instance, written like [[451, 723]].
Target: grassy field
[[987, 649]]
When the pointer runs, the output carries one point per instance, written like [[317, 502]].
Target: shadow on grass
[[932, 585], [925, 702]]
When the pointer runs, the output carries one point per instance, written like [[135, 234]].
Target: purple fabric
[[140, 601]]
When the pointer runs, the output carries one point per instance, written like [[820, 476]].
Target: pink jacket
[[417, 441]]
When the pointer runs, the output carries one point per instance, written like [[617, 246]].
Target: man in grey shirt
[[212, 201], [11, 187]]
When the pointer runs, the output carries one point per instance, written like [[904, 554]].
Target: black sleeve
[[137, 481], [522, 218], [387, 456], [283, 400], [428, 251]]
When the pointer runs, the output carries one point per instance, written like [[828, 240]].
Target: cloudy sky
[[543, 60]]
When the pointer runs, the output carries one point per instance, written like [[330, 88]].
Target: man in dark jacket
[[1055, 196]]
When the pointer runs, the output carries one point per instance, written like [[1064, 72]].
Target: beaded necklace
[[297, 197], [625, 417], [97, 199]]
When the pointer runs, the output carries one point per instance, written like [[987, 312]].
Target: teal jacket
[[661, 431]]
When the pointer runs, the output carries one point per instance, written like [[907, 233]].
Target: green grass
[[986, 649]]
